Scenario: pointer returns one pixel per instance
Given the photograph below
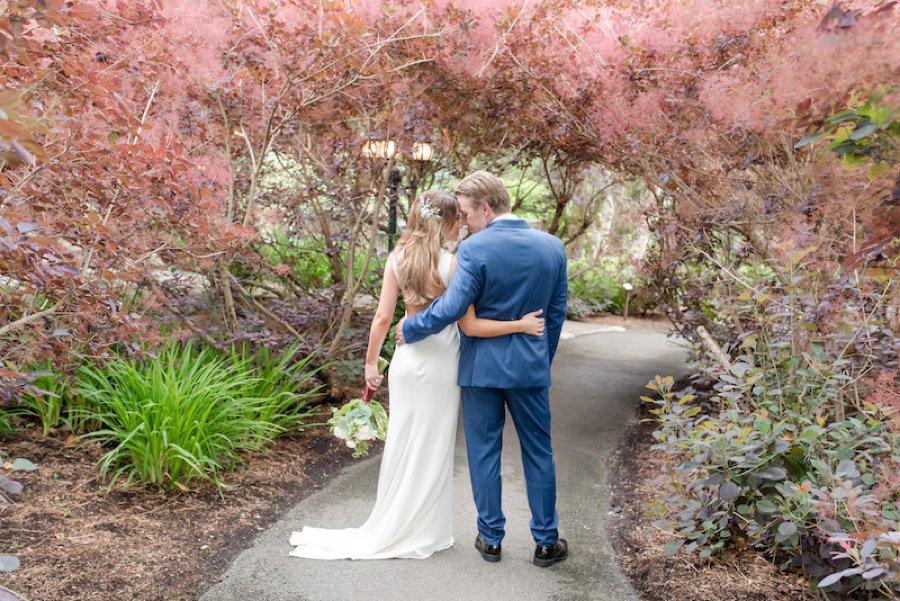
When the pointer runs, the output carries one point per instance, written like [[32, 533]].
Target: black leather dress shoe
[[547, 556], [488, 552]]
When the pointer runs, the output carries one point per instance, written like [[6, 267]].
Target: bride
[[413, 505]]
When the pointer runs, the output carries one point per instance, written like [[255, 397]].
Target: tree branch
[[714, 349], [248, 298], [187, 320], [29, 319]]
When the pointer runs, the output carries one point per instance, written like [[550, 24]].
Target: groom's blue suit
[[506, 271]]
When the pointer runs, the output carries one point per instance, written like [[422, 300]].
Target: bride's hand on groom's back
[[532, 323], [398, 335]]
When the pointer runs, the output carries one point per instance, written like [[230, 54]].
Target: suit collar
[[509, 223]]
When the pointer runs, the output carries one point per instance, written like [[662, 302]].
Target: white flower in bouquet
[[341, 433], [365, 433]]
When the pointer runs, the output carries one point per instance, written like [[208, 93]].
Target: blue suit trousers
[[484, 415]]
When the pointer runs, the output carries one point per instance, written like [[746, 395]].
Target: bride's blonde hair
[[432, 213]]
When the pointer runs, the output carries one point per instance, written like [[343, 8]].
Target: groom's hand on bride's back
[[399, 331]]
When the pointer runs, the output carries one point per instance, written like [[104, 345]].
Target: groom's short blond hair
[[482, 187]]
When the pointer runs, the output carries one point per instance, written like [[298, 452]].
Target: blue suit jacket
[[506, 271]]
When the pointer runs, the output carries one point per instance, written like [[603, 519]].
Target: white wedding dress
[[412, 517]]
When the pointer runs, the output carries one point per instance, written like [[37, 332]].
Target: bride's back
[[421, 279]]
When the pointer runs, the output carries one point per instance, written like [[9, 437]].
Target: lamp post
[[386, 150], [393, 193], [628, 288]]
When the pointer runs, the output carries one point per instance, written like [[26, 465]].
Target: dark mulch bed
[[739, 574], [78, 542]]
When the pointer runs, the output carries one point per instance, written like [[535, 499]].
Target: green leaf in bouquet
[[380, 419], [361, 450], [382, 364]]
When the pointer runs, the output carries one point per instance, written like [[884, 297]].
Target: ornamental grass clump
[[45, 403], [187, 413], [284, 386]]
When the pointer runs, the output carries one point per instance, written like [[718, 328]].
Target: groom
[[506, 271]]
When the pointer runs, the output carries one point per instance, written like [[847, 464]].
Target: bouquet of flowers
[[360, 420]]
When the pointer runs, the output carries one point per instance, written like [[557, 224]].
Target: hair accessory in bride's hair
[[428, 210]]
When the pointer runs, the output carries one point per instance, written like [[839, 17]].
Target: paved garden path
[[598, 375]]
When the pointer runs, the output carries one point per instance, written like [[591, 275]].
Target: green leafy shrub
[[599, 288], [865, 135], [187, 413], [783, 443], [780, 480], [308, 263]]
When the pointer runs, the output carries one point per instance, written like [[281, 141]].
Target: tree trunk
[[343, 332], [225, 281]]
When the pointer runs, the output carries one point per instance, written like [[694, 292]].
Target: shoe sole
[[546, 563]]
